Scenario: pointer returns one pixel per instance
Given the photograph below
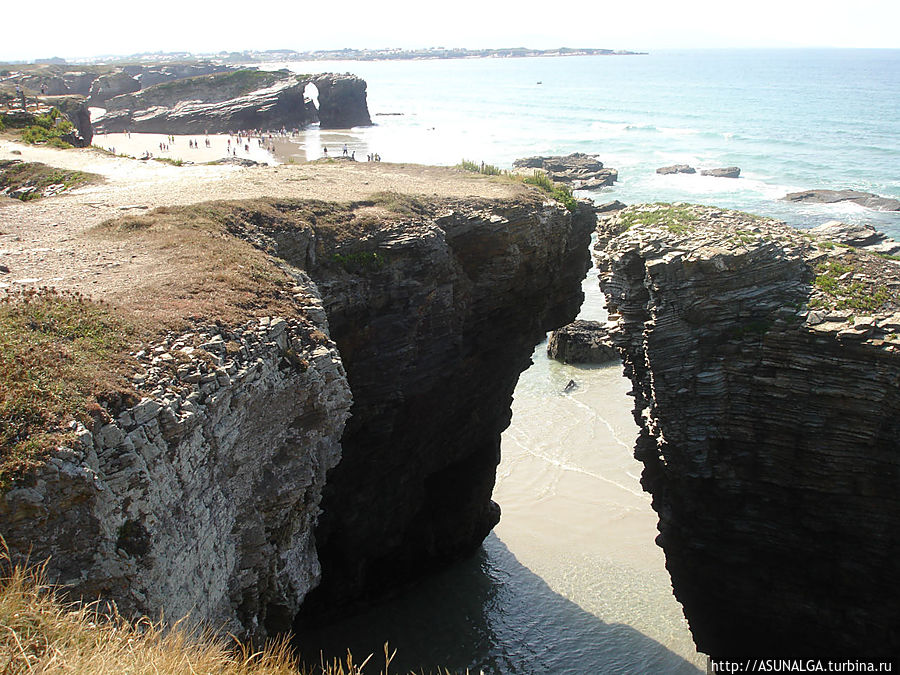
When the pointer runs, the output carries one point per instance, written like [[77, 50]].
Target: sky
[[198, 26]]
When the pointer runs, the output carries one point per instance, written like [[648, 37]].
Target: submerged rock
[[764, 363], [726, 172], [867, 199], [676, 168], [582, 342]]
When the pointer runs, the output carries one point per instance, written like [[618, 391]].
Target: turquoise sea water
[[790, 119], [571, 581]]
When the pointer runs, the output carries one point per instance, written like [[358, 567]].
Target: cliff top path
[[43, 242]]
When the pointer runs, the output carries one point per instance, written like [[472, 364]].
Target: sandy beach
[[272, 149]]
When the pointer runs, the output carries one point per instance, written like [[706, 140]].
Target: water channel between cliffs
[[570, 581]]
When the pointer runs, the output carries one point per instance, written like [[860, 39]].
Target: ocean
[[571, 580]]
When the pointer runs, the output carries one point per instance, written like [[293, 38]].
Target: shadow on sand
[[493, 614]]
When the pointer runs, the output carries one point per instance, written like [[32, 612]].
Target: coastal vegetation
[[47, 128], [61, 356], [43, 633], [30, 180], [537, 178], [677, 218], [840, 282]]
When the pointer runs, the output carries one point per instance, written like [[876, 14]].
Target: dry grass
[[41, 633]]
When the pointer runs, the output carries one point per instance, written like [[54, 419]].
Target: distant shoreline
[[254, 56]]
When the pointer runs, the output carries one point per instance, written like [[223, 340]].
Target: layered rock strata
[[434, 333], [200, 499], [765, 366], [238, 100], [857, 235], [578, 170]]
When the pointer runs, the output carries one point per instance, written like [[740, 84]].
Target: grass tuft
[[59, 354]]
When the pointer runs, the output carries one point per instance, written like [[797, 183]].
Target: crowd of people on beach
[[241, 142]]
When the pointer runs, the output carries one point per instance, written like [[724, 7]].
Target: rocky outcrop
[[726, 172], [342, 101], [200, 499], [867, 199], [237, 100], [57, 82], [609, 207], [857, 235], [114, 84], [156, 74], [578, 170], [202, 496], [765, 366], [582, 342], [75, 108], [676, 168], [435, 319]]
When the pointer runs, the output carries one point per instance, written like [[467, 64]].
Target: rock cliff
[[434, 333], [202, 496], [765, 366], [238, 100]]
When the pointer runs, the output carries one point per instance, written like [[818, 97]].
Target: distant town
[[253, 56]]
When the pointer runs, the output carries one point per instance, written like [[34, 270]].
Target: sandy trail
[[42, 242]]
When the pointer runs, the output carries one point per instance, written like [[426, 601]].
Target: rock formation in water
[[676, 168], [201, 497], [578, 170], [238, 100], [725, 172], [765, 365], [582, 342], [342, 101], [867, 199]]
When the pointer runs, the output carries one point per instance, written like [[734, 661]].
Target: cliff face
[[200, 499], [765, 367], [342, 101], [435, 318], [237, 100]]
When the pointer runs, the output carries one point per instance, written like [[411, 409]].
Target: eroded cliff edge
[[200, 493], [765, 367]]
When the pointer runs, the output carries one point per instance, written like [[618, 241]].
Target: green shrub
[[475, 167], [49, 128]]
